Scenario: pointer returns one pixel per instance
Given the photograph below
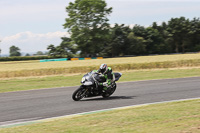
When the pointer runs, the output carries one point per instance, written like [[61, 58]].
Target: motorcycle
[[90, 86]]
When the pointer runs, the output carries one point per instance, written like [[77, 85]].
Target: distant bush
[[23, 58]]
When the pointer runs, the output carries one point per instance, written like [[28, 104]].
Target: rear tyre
[[108, 94], [79, 94]]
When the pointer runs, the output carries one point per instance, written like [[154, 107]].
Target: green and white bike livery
[[91, 86]]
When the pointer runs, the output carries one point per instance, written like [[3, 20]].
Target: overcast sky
[[34, 24]]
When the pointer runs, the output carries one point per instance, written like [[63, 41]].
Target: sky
[[32, 25]]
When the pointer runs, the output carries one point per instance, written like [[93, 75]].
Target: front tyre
[[79, 94]]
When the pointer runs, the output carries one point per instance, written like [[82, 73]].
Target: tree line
[[92, 35], [178, 35]]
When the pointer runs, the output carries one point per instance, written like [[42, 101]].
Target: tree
[[60, 51], [137, 45], [39, 53], [0, 50], [69, 47], [88, 25], [52, 50], [154, 40], [14, 51], [55, 51], [140, 31], [118, 41], [194, 35], [27, 54], [179, 29]]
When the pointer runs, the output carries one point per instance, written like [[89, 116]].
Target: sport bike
[[90, 86]]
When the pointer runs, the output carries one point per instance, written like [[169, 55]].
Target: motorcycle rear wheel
[[106, 95]]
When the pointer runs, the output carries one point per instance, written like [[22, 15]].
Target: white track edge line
[[83, 113]]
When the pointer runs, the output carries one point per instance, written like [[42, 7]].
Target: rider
[[107, 73]]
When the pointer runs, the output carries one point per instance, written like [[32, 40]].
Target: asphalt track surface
[[46, 103]]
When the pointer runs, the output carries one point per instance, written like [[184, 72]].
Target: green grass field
[[31, 65], [176, 117], [33, 68], [63, 81], [173, 117]]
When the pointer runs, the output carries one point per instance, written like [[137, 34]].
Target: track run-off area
[[22, 106]]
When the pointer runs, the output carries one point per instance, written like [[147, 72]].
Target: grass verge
[[172, 117], [63, 81], [28, 69]]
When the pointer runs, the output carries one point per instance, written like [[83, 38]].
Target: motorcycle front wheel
[[79, 94]]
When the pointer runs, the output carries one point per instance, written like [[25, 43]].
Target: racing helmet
[[103, 68]]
